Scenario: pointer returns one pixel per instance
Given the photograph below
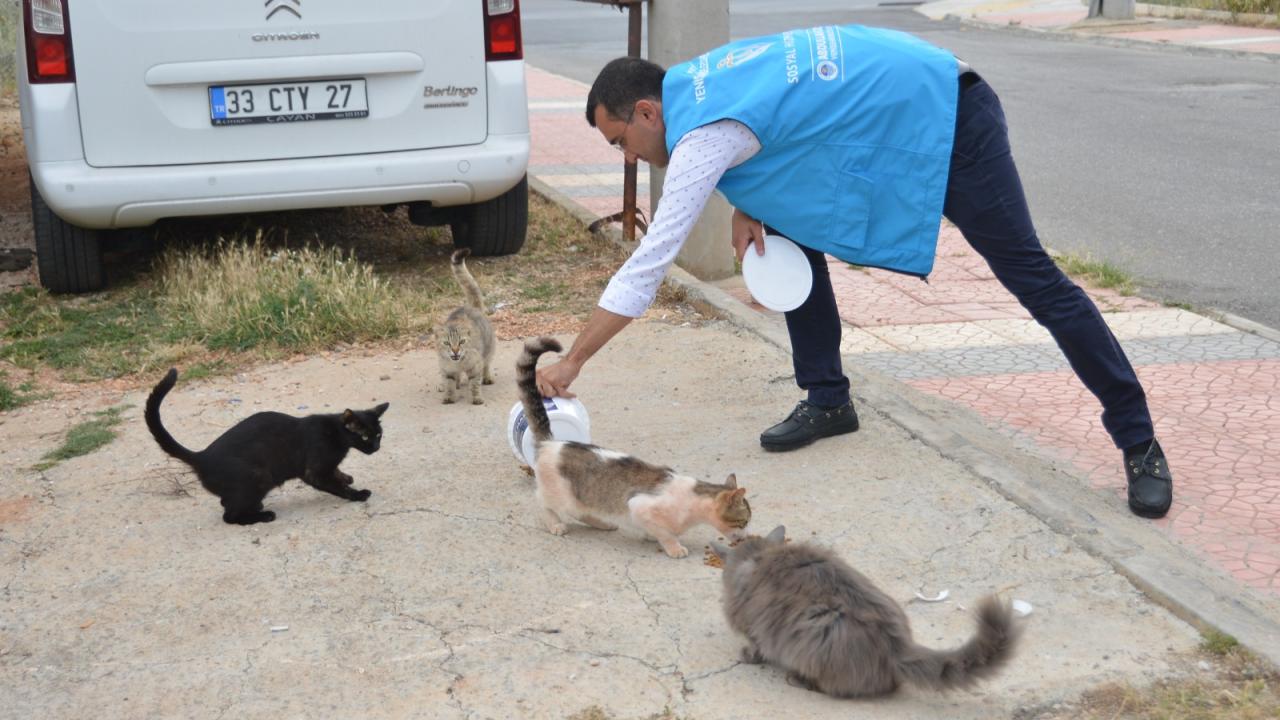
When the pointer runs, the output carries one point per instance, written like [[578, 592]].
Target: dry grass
[[240, 295], [1224, 682], [215, 295]]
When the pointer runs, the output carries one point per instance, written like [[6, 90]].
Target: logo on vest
[[698, 73], [742, 55], [828, 70]]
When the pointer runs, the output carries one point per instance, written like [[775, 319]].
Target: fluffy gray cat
[[806, 611]]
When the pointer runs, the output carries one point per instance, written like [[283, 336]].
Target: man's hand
[[746, 230], [554, 380]]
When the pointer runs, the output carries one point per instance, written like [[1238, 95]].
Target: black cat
[[262, 451]]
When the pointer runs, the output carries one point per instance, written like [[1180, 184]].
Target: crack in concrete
[[453, 516], [640, 594], [986, 525], [450, 655], [657, 617], [25, 552], [672, 669], [46, 490], [688, 681], [657, 672]]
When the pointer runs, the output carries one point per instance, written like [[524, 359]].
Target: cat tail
[[527, 380], [468, 283], [984, 654], [162, 436]]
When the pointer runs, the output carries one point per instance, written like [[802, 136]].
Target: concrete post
[[680, 30], [1112, 9], [1119, 9]]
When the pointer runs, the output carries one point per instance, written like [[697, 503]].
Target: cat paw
[[360, 495], [751, 656], [558, 529], [677, 552], [477, 401], [795, 679], [266, 516], [487, 381], [447, 401]]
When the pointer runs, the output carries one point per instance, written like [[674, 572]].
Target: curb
[[1248, 326], [1166, 572], [1092, 39]]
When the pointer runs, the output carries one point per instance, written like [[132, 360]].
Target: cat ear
[[740, 492], [778, 536], [721, 551], [347, 416], [381, 409], [731, 481]]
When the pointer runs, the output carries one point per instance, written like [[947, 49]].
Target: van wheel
[[68, 257], [494, 227]]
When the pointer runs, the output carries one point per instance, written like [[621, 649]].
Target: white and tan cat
[[605, 489], [465, 342]]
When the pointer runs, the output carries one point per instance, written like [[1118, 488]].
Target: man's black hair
[[621, 83]]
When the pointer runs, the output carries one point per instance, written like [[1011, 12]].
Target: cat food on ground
[[711, 559]]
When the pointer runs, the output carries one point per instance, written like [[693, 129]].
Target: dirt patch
[[15, 510]]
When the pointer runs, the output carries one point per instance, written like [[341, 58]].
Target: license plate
[[288, 102]]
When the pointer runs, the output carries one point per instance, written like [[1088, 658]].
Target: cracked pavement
[[444, 597]]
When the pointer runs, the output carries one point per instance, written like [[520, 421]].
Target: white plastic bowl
[[569, 421], [781, 279]]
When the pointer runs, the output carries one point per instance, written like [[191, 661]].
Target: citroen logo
[[275, 7]]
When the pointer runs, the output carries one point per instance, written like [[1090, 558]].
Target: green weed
[[12, 396], [1097, 273], [1217, 643], [84, 438]]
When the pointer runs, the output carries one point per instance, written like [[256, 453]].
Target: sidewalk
[[961, 338], [1193, 29]]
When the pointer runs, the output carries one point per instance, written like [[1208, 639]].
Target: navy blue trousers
[[986, 202]]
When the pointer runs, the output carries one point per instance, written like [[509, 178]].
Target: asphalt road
[[1164, 163]]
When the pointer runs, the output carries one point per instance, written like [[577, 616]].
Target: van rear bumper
[[135, 196]]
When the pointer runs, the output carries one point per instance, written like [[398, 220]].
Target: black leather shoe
[[1150, 482], [808, 423]]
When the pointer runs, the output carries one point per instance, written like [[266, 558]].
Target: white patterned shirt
[[697, 162]]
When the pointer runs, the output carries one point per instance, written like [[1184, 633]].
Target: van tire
[[494, 227], [68, 258]]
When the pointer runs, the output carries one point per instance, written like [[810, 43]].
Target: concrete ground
[[125, 596]]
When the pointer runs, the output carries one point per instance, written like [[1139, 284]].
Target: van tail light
[[48, 37], [502, 30]]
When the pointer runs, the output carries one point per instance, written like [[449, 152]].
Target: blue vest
[[855, 126]]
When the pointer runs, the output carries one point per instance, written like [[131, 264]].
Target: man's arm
[[697, 162], [554, 380]]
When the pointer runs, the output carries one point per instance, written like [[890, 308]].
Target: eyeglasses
[[620, 143]]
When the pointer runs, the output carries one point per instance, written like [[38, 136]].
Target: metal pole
[[629, 167]]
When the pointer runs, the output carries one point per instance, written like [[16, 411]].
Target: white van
[[133, 111]]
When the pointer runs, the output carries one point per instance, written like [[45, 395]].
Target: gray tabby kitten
[[465, 340], [806, 611]]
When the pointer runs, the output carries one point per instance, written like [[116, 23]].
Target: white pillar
[[678, 31], [1118, 9], [1112, 9]]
